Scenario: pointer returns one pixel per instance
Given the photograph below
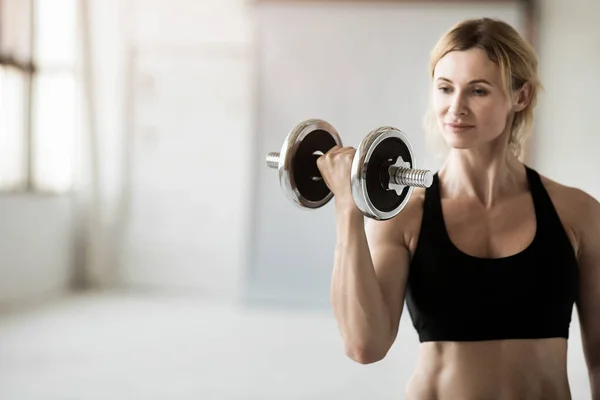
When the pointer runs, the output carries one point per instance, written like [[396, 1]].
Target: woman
[[490, 259]]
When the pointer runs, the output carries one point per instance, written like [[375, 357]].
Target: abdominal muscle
[[491, 370]]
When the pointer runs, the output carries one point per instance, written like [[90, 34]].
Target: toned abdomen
[[495, 370]]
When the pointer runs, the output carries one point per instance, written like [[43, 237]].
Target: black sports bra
[[452, 296]]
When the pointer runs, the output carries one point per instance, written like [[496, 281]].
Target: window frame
[[28, 68], [31, 68]]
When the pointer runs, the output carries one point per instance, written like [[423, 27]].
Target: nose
[[457, 106]]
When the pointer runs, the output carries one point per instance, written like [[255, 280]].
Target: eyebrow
[[470, 83]]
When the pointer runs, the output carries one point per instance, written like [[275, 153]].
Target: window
[[38, 90]]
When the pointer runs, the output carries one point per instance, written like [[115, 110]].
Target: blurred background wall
[[142, 167]]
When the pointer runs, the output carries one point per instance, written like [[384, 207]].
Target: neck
[[485, 173]]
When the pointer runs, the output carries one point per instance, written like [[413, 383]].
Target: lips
[[458, 125]]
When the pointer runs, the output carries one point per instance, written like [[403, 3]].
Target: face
[[469, 102]]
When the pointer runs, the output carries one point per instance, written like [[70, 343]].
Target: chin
[[459, 147], [458, 143]]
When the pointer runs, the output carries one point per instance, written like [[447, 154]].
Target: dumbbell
[[382, 177]]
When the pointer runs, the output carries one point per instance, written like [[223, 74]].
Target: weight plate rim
[[359, 168], [287, 153]]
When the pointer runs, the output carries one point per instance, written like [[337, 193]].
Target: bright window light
[[12, 128]]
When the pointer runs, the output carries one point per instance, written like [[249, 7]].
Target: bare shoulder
[[578, 210], [578, 201], [404, 228]]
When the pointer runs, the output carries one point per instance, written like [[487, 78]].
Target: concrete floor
[[125, 347]]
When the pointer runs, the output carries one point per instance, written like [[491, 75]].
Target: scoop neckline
[[464, 254]]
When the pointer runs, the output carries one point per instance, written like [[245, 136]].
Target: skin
[[489, 213]]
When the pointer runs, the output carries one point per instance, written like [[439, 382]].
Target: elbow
[[366, 354]]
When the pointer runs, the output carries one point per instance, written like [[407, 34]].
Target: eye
[[479, 92], [445, 89]]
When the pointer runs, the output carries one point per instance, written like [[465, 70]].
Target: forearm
[[357, 299]]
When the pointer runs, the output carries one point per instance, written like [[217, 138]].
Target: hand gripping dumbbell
[[382, 177]]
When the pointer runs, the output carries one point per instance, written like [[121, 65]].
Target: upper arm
[[588, 304], [389, 248]]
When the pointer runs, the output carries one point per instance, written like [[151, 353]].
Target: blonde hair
[[516, 58]]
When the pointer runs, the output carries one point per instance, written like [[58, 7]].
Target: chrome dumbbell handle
[[410, 177], [273, 160], [398, 175]]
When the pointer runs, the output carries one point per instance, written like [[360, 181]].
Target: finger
[[331, 151]]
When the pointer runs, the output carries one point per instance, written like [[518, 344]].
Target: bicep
[[390, 258]]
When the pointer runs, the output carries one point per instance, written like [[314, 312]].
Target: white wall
[[36, 251], [566, 142], [99, 174], [174, 107]]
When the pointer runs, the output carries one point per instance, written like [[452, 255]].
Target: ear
[[522, 97]]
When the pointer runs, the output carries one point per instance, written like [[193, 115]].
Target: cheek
[[496, 119], [438, 103], [490, 113]]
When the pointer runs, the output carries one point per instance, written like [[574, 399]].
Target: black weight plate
[[377, 176], [304, 166]]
